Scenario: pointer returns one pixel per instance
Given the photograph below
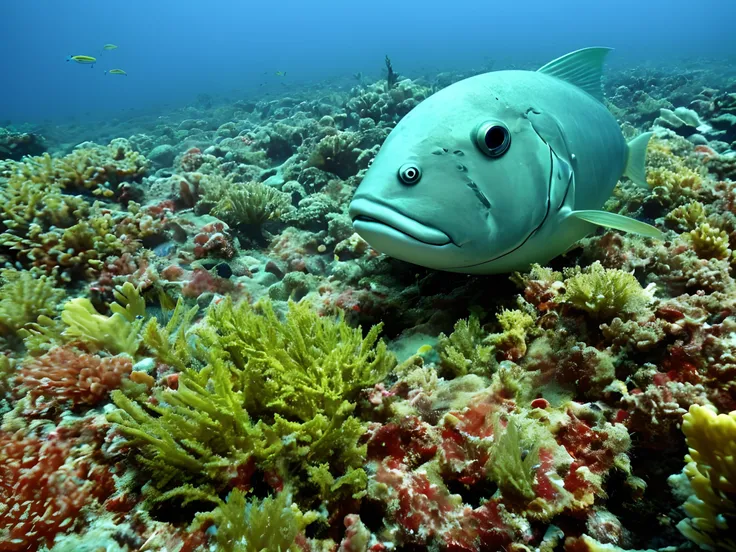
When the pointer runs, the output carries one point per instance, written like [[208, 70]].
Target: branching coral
[[300, 377], [90, 167], [510, 465], [464, 351], [711, 468], [44, 485], [63, 375], [709, 242], [118, 333], [604, 292], [305, 366], [24, 297], [256, 525], [686, 217]]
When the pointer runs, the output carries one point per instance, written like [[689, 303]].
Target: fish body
[[499, 171], [116, 72], [84, 60], [109, 47]]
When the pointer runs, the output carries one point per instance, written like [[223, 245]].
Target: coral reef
[[190, 356]]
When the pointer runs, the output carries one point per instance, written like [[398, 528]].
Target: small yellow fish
[[109, 47], [424, 349], [116, 72], [280, 73], [85, 60]]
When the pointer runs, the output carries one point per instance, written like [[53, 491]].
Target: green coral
[[339, 154], [24, 296], [198, 432], [256, 525], [253, 204], [301, 367], [709, 242], [510, 465], [170, 343], [465, 351], [605, 293], [118, 333], [686, 217], [280, 394], [90, 167]]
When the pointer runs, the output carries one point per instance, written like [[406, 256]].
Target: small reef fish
[[280, 73], [116, 72], [84, 60], [424, 349], [109, 47], [501, 170]]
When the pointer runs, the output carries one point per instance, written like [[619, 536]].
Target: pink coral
[[213, 241], [66, 375], [44, 484]]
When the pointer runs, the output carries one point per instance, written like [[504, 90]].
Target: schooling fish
[[116, 72], [84, 60], [109, 47], [500, 170]]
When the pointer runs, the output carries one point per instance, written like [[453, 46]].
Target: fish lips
[[378, 222]]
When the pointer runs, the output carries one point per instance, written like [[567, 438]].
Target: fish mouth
[[371, 216]]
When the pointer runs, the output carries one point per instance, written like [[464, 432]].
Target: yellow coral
[[686, 217], [709, 242], [255, 525], [464, 351], [118, 333], [24, 296], [667, 170], [605, 292], [711, 468], [99, 169], [253, 203]]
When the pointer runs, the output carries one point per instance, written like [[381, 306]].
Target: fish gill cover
[[199, 352]]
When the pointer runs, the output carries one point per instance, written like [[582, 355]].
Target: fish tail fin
[[636, 168]]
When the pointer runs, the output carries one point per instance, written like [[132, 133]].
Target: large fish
[[500, 170]]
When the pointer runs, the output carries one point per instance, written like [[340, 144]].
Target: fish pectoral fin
[[583, 68], [636, 160], [618, 222]]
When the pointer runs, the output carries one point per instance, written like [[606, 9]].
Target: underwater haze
[[173, 51]]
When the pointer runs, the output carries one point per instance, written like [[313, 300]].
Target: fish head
[[461, 181]]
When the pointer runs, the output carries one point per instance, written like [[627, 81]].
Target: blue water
[[175, 50]]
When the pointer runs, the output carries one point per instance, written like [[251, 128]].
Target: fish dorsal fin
[[583, 68]]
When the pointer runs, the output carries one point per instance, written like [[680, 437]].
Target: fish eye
[[409, 174], [493, 138]]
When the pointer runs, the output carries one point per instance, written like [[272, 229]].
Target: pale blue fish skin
[[475, 214]]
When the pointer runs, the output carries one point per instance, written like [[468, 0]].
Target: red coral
[[212, 240], [44, 484], [65, 375], [201, 281], [191, 160], [411, 441]]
